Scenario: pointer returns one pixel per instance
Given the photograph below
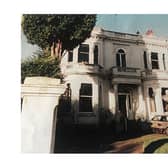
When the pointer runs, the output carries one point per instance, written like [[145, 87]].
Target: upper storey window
[[83, 53], [96, 55], [154, 60], [145, 60], [120, 58]]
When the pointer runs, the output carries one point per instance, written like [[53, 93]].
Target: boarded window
[[154, 60], [83, 53], [85, 98], [96, 55]]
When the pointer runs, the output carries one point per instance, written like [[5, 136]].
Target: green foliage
[[44, 29], [156, 145], [40, 66]]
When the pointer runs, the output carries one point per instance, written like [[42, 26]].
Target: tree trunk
[[56, 49]]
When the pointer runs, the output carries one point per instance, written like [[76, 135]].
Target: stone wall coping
[[42, 85], [38, 80]]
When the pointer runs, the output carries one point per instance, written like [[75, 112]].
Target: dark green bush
[[40, 66]]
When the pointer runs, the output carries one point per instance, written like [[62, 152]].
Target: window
[[96, 55], [120, 58], [70, 56], [152, 100], [164, 63], [145, 60], [154, 60], [85, 98], [83, 53]]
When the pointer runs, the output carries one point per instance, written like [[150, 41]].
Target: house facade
[[113, 74]]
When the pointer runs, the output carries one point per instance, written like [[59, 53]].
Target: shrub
[[40, 66]]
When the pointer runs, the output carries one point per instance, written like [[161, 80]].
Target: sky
[[126, 23]]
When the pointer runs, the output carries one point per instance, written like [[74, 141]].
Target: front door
[[124, 105]]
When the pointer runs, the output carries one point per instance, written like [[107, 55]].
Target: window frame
[[86, 53], [85, 96], [121, 58], [154, 60]]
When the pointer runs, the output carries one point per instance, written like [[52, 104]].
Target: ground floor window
[[165, 99], [152, 100], [85, 98]]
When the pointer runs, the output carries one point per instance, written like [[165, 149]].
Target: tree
[[56, 33]]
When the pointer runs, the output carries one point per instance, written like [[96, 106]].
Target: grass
[[151, 143], [156, 145]]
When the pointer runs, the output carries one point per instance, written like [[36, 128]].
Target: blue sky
[[131, 23], [119, 22]]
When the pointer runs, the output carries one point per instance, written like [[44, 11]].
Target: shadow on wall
[[153, 146], [90, 139], [72, 138]]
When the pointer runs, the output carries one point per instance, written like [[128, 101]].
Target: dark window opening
[[145, 60], [120, 58], [164, 63], [83, 53], [154, 60], [70, 56], [85, 98], [96, 55]]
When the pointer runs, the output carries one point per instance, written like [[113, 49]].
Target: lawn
[[156, 145], [151, 143]]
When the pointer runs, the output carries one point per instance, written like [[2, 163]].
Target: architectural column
[[160, 59], [147, 102], [149, 60], [116, 97], [166, 61], [158, 100], [75, 86], [101, 52], [75, 55], [140, 110], [39, 114], [91, 53]]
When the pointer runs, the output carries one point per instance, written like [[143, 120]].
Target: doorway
[[124, 104], [124, 107]]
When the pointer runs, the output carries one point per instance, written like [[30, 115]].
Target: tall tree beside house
[[56, 33]]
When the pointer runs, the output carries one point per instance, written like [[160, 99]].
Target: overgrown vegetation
[[156, 145], [40, 66]]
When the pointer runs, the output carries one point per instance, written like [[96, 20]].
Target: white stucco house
[[115, 73]]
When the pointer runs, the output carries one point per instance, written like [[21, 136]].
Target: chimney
[[149, 32]]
